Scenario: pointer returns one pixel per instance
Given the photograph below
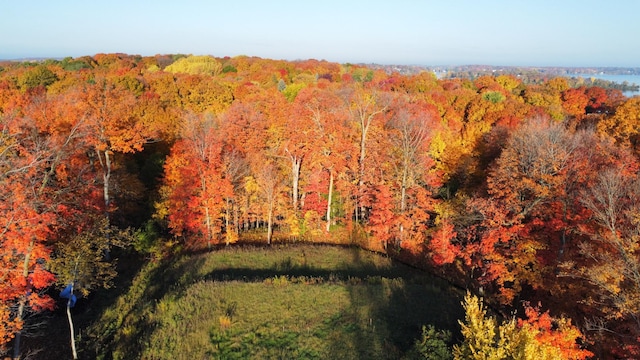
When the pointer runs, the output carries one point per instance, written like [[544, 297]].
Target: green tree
[[38, 76], [432, 345]]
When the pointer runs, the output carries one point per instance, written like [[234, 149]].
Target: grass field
[[281, 302]]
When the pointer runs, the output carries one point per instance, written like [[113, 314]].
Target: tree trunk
[[23, 300], [270, 223], [403, 198], [18, 335], [106, 178], [208, 222], [236, 219], [207, 215], [296, 164], [73, 338], [563, 239], [227, 221], [329, 200], [363, 139]]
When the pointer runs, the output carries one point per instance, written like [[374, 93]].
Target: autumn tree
[[287, 139], [575, 102], [326, 119], [110, 126], [624, 124], [611, 254], [196, 65], [450, 147], [598, 98], [162, 97], [411, 128], [537, 336], [196, 186], [200, 93], [365, 107], [236, 169], [42, 187], [295, 148], [243, 127], [25, 229], [526, 181], [269, 183], [547, 97]]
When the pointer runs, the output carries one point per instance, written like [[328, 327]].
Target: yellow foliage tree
[[539, 337], [196, 65], [624, 125]]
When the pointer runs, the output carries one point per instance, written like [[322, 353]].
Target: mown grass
[[281, 302]]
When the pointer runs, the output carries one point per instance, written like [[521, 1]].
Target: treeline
[[624, 86], [517, 191], [577, 77]]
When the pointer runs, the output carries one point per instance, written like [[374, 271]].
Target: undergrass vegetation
[[281, 302]]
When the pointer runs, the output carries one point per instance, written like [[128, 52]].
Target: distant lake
[[630, 79]]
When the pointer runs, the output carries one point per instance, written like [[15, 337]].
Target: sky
[[403, 32]]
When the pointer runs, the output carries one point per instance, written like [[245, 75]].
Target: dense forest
[[521, 193]]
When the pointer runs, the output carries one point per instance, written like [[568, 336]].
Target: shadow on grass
[[357, 267], [123, 328], [388, 302], [53, 342], [396, 311]]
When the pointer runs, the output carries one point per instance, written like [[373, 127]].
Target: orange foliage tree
[[410, 129], [110, 126], [196, 186], [43, 190], [366, 107], [328, 148], [610, 256], [526, 180]]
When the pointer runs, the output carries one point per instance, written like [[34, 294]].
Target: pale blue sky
[[428, 32]]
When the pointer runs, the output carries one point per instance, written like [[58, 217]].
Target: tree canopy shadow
[[398, 307], [125, 324], [387, 302]]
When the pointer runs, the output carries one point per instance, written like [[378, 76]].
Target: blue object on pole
[[67, 293], [72, 301]]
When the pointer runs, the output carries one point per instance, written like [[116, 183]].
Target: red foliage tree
[[196, 185]]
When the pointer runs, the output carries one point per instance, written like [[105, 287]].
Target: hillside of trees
[[517, 192]]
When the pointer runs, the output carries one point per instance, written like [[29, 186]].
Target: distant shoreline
[[515, 70]]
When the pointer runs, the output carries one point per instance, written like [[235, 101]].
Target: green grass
[[282, 302]]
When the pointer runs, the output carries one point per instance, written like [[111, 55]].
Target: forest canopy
[[520, 192]]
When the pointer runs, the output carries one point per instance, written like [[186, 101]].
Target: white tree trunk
[[296, 164], [329, 200], [106, 178], [73, 338], [270, 223]]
